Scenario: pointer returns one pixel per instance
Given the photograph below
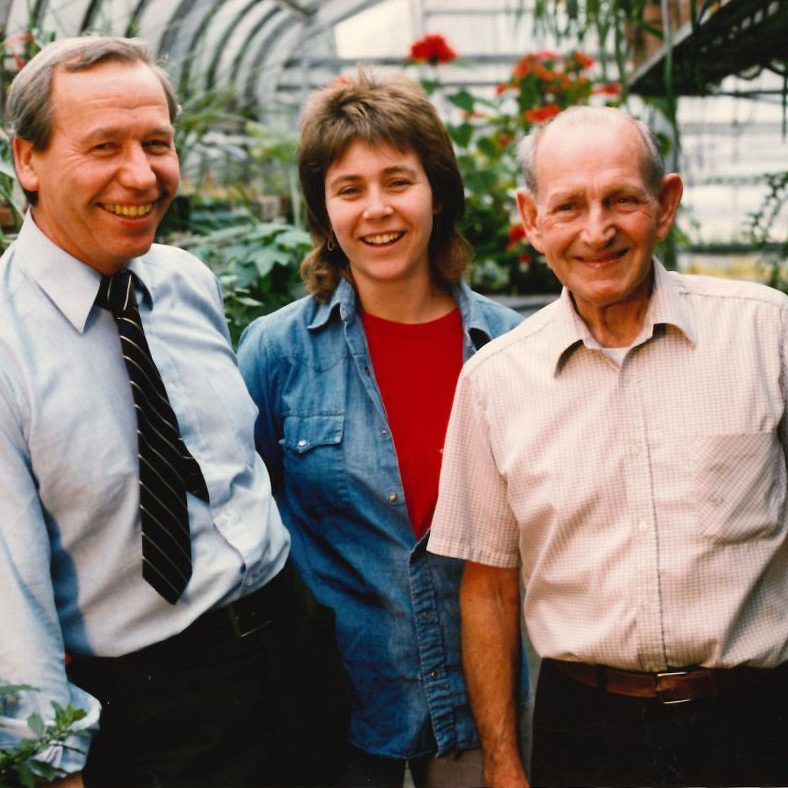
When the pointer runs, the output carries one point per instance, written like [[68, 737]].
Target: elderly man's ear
[[526, 205], [24, 162], [669, 198]]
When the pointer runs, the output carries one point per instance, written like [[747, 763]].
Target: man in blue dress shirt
[[211, 686]]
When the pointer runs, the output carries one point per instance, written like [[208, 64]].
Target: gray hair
[[653, 162], [28, 112]]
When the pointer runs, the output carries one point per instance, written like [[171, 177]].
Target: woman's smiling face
[[380, 205]]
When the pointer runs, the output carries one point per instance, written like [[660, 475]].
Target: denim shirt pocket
[[313, 457]]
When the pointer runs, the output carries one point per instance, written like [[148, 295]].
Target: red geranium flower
[[583, 60], [540, 114], [516, 236], [433, 49], [612, 89]]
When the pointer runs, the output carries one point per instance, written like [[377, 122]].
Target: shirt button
[[384, 433], [642, 526], [301, 443], [392, 497]]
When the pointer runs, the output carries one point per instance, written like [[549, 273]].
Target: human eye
[[348, 191], [158, 145], [103, 148]]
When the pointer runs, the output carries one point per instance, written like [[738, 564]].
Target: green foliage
[[761, 228], [257, 262], [21, 766]]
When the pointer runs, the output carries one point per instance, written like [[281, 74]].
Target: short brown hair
[[378, 110]]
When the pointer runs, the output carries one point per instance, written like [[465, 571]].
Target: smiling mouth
[[129, 211], [610, 258], [382, 239]]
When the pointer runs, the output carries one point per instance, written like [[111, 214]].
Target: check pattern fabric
[[645, 502], [167, 469]]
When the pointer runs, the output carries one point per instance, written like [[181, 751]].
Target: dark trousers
[[209, 708], [589, 737]]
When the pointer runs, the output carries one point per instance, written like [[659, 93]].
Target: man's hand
[[490, 611]]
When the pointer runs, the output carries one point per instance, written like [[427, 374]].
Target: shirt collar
[[344, 300], [666, 307], [69, 283]]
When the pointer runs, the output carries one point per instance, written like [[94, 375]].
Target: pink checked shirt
[[644, 503]]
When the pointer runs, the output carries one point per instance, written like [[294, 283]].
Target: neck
[[617, 325], [406, 303]]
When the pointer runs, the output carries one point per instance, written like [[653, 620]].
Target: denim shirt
[[323, 434]]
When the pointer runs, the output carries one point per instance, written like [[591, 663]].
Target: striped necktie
[[167, 469]]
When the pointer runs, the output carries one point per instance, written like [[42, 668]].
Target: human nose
[[136, 170], [598, 229], [377, 206]]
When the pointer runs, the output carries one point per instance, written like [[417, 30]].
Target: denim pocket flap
[[303, 433]]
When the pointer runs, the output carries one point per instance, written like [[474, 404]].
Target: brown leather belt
[[670, 686]]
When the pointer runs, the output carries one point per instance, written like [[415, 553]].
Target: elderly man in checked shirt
[[622, 454]]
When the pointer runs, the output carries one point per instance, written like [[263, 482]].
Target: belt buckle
[[665, 699], [238, 621]]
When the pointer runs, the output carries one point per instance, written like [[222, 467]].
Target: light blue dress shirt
[[70, 549], [324, 435]]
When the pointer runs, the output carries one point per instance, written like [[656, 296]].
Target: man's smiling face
[[110, 170], [595, 217]]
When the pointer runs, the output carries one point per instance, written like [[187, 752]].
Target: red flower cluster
[[433, 49], [611, 89], [516, 237], [543, 113]]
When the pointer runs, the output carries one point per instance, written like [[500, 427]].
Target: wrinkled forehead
[[577, 148]]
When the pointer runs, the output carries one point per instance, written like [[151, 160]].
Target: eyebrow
[[104, 132], [395, 169]]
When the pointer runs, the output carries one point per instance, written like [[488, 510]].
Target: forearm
[[490, 609]]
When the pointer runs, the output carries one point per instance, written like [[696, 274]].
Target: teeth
[[131, 211], [383, 238]]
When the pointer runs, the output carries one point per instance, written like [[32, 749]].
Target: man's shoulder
[[175, 261], [717, 287], [527, 339]]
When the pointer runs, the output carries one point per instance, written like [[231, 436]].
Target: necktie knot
[[116, 292]]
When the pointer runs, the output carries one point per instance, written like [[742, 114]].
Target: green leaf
[[463, 99], [36, 725], [462, 134]]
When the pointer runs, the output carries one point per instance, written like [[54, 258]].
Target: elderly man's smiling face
[[595, 216], [110, 170]]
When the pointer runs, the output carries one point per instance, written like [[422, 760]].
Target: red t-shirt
[[416, 366]]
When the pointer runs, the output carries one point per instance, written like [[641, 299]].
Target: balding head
[[600, 120]]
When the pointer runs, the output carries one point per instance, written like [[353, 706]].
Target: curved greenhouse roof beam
[[270, 33], [213, 69], [293, 47]]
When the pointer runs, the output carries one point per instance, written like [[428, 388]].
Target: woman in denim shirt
[[354, 384]]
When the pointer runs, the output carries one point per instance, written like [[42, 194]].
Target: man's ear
[[526, 205], [669, 197], [25, 164]]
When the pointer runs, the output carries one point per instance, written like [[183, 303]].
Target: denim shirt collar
[[344, 302]]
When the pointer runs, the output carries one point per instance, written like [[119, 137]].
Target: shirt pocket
[[313, 457], [739, 485]]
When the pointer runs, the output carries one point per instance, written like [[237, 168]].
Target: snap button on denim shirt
[[323, 434]]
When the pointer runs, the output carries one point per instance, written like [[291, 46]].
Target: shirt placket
[[641, 514]]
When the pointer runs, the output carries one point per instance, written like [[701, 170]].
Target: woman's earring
[[331, 243]]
